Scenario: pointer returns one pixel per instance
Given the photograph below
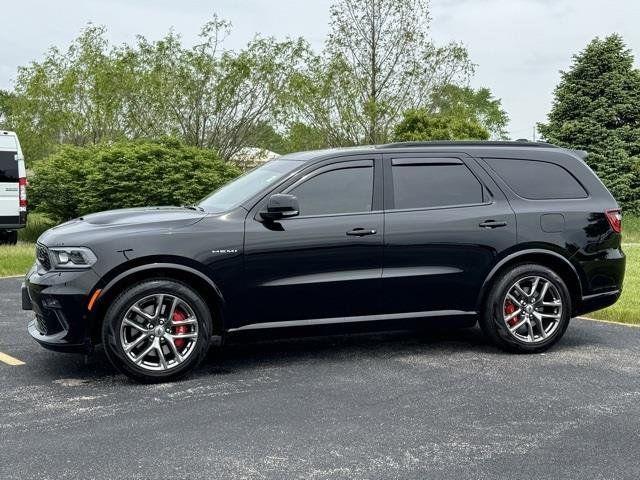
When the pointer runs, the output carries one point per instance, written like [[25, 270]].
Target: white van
[[13, 188]]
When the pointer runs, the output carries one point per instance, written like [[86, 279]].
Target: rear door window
[[537, 180], [418, 185], [8, 167]]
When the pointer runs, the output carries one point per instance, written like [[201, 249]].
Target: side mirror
[[281, 206]]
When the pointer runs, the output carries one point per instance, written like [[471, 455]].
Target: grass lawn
[[631, 229], [16, 259], [627, 308]]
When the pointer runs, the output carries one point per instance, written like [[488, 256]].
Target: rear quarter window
[[537, 180], [8, 167]]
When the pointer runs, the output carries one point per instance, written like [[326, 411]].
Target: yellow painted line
[[609, 321], [9, 360]]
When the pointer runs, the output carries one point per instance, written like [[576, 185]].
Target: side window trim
[[426, 161], [428, 158], [331, 167]]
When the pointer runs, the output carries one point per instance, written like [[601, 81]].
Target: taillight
[[615, 219], [22, 183]]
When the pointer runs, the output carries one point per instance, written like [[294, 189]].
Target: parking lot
[[404, 404]]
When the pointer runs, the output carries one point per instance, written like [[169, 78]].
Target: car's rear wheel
[[527, 310], [157, 330]]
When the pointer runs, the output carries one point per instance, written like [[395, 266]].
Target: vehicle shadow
[[344, 343], [289, 347]]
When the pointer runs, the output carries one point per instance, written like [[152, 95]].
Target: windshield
[[247, 185]]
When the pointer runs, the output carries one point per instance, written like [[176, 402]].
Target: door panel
[[312, 268], [327, 262], [437, 258], [9, 201]]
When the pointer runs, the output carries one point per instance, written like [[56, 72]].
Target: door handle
[[361, 232], [492, 224]]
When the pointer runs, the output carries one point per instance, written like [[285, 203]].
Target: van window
[[8, 167], [537, 180], [434, 185], [8, 142]]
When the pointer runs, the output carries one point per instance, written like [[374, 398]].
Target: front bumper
[[59, 302]]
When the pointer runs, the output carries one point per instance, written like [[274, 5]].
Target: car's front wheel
[[157, 330], [527, 310]]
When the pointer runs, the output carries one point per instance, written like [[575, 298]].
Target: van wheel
[[527, 310], [9, 238], [157, 330]]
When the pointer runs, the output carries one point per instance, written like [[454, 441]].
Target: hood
[[144, 216], [124, 222]]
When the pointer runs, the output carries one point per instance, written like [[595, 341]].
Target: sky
[[519, 46]]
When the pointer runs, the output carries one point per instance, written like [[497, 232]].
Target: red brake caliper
[[509, 308], [179, 316]]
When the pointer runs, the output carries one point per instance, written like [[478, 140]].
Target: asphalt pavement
[[413, 404]]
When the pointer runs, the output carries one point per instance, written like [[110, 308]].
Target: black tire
[[492, 320], [9, 238], [111, 329]]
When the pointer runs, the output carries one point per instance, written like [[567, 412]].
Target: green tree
[[420, 125], [477, 106], [208, 96], [79, 180], [597, 108], [5, 106], [379, 61], [205, 95], [71, 97], [297, 137]]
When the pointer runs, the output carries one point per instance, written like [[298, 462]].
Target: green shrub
[[78, 180], [37, 224]]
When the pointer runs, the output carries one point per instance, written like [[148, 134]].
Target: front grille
[[42, 255]]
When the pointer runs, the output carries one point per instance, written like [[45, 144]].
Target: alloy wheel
[[159, 332], [532, 309]]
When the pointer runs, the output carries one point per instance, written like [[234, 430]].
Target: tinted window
[[537, 180], [8, 167], [346, 190], [419, 186]]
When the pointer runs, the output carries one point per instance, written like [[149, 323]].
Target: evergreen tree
[[597, 109]]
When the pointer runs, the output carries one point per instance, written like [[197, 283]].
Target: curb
[[633, 325]]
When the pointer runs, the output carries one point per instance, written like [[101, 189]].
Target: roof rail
[[468, 143]]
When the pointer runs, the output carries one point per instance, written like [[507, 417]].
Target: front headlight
[[71, 257]]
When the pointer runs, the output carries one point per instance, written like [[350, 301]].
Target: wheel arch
[[548, 258], [193, 277]]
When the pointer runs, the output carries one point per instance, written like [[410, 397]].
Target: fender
[[521, 253], [162, 265]]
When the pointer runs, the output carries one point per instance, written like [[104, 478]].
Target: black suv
[[520, 236]]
